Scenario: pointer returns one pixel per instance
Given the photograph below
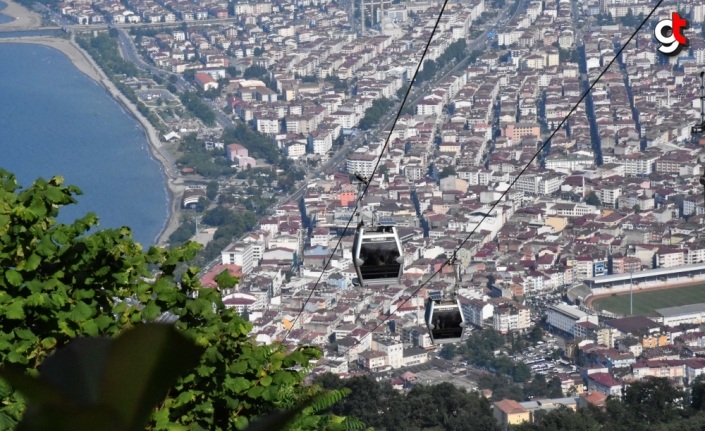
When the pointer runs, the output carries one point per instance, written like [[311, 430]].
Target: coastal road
[[130, 53]]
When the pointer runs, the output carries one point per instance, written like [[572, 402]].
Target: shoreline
[[24, 19], [85, 64]]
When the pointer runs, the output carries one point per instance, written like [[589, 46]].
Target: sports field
[[646, 302]]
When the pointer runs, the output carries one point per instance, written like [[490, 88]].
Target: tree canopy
[[375, 113], [651, 404], [593, 199], [59, 282], [442, 406], [259, 146]]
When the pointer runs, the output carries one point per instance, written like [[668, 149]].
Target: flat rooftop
[[682, 309], [605, 279]]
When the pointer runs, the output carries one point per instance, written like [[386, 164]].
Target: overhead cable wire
[[379, 159], [541, 148]]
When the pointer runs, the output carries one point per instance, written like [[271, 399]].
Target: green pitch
[[646, 302]]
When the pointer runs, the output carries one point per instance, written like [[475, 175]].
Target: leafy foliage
[[217, 216], [538, 387], [105, 48], [479, 351], [448, 351], [212, 190], [255, 71], [99, 383], [442, 406], [593, 199], [184, 232], [338, 84], [697, 396], [650, 404], [207, 163], [631, 20], [236, 226], [375, 113], [58, 283], [258, 145], [456, 50], [568, 55], [198, 108], [447, 172]]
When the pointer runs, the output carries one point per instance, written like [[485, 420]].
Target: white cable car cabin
[[377, 256], [445, 321]]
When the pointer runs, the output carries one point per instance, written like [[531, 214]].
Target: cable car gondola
[[377, 256], [445, 320]]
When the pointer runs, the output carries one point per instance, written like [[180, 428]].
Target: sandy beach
[[24, 18], [85, 64]]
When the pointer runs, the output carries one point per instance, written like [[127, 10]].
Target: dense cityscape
[[576, 217]]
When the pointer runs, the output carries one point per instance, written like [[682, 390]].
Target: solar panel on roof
[[435, 294], [386, 221]]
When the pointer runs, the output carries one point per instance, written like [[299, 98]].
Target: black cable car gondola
[[377, 256], [445, 321]]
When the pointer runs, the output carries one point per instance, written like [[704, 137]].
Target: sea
[[54, 120]]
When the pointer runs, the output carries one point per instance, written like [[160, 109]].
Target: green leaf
[[37, 299], [81, 312], [13, 277], [25, 334], [199, 306], [90, 328], [16, 357], [277, 420], [120, 307], [241, 422], [255, 391], [266, 381], [236, 385], [7, 422], [49, 343], [56, 195], [134, 384], [184, 397], [151, 311], [32, 262], [238, 367], [14, 310], [84, 293], [283, 377]]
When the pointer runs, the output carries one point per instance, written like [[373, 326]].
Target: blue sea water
[[54, 120], [4, 18]]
